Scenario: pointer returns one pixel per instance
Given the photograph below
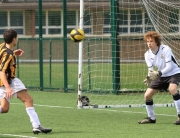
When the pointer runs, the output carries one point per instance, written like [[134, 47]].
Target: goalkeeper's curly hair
[[155, 35]]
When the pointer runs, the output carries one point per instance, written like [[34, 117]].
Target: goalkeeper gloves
[[154, 74], [147, 81]]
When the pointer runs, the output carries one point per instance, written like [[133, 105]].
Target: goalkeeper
[[166, 77]]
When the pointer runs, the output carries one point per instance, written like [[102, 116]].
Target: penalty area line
[[20, 136]]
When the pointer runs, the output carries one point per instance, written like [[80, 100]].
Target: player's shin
[[176, 98], [150, 109], [33, 117]]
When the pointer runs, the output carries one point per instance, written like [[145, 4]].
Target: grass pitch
[[59, 112]]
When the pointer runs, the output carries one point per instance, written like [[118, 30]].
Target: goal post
[[80, 63], [115, 45], [111, 58]]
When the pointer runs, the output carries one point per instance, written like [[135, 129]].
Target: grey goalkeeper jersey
[[164, 60]]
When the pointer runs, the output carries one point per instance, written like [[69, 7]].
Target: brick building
[[22, 15]]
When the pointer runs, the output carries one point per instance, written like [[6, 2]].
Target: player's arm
[[18, 52], [6, 84], [3, 67], [147, 80], [4, 79], [168, 59]]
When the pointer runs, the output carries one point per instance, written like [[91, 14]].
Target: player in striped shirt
[[10, 86], [167, 77]]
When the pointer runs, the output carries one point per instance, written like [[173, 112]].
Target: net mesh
[[136, 17]]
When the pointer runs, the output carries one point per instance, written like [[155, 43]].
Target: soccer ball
[[77, 35], [85, 101]]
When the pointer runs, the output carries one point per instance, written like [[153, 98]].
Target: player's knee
[[5, 110], [147, 97], [29, 100], [173, 90]]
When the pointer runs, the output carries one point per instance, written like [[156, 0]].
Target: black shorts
[[162, 83]]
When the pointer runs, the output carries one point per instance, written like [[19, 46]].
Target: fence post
[[40, 45], [65, 45], [115, 45]]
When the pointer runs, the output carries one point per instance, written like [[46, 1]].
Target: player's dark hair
[[155, 35], [9, 35]]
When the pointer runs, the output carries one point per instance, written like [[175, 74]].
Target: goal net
[[112, 66]]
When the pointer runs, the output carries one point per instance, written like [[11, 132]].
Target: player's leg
[[5, 103], [176, 96], [149, 103], [4, 108], [149, 107], [19, 91], [173, 89], [158, 84], [28, 101]]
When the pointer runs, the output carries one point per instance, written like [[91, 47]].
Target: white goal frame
[[124, 61], [80, 63]]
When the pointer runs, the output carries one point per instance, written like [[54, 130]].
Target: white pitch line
[[132, 112], [46, 105], [99, 109], [52, 106], [146, 113], [20, 136]]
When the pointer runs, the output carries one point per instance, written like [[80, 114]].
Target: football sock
[[176, 98], [0, 109], [150, 109], [33, 117]]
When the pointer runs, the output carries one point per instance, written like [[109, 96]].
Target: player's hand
[[154, 74], [18, 52], [147, 81], [9, 93]]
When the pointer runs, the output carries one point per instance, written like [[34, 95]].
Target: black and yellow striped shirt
[[7, 62]]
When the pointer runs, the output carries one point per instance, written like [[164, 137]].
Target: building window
[[86, 21], [136, 21], [54, 18], [123, 21], [43, 18], [71, 18], [3, 17], [16, 18], [130, 21], [43, 22], [4, 21], [107, 21], [174, 21], [16, 21], [54, 22], [71, 21]]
